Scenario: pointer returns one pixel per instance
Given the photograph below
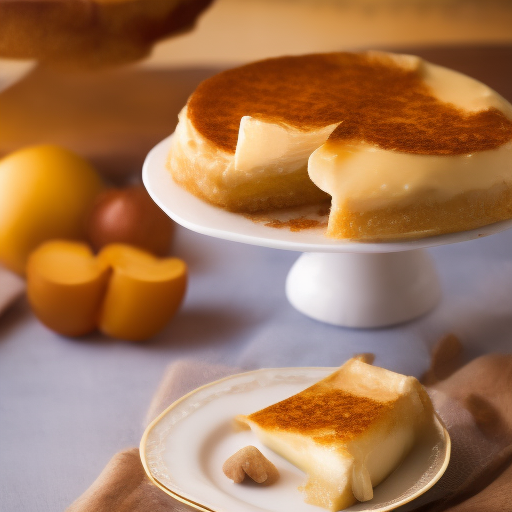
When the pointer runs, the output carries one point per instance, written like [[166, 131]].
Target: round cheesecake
[[401, 147]]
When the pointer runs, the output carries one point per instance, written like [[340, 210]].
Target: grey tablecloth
[[66, 406]]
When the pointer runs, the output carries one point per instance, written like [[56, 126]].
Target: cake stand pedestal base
[[364, 289]]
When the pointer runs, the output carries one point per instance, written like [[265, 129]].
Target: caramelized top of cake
[[326, 414], [374, 98]]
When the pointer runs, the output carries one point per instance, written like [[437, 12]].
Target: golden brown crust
[[469, 210], [375, 100], [296, 224], [269, 192]]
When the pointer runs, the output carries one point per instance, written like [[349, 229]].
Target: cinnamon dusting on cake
[[326, 414], [294, 219], [374, 99], [295, 225]]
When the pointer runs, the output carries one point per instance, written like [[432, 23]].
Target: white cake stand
[[344, 283]]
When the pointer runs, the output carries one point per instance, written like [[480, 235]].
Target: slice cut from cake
[[267, 169], [402, 148], [347, 432]]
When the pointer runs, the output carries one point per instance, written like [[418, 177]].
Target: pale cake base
[[268, 192], [466, 211]]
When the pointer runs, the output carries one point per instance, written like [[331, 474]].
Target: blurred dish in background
[[91, 33]]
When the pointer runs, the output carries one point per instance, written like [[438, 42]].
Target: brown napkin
[[475, 402]]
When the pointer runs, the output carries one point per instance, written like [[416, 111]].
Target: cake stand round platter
[[341, 282]]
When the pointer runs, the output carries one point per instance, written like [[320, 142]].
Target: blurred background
[[234, 31], [111, 97]]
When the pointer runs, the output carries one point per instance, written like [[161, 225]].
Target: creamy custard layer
[[378, 194], [371, 178]]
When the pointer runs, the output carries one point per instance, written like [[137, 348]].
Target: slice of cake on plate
[[348, 432]]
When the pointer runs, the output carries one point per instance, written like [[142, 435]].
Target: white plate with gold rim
[[183, 450]]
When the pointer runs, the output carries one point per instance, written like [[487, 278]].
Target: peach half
[[125, 292], [143, 293]]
